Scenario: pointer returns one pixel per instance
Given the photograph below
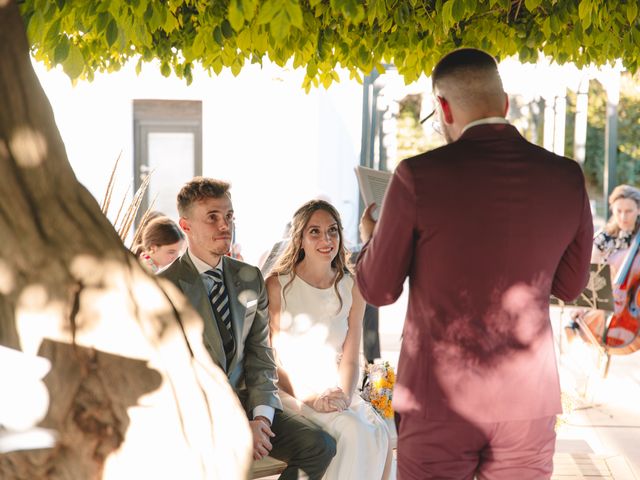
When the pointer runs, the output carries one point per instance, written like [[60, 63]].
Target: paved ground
[[599, 434]]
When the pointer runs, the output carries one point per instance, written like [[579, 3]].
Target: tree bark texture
[[133, 393]]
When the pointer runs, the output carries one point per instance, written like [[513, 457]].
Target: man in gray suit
[[232, 300]]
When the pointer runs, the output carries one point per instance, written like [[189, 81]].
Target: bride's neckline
[[306, 282]]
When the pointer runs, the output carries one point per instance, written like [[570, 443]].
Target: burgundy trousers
[[459, 450]]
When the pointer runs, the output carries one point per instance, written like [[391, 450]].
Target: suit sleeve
[[385, 260], [572, 273], [260, 368]]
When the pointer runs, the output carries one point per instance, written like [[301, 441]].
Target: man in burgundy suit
[[486, 228]]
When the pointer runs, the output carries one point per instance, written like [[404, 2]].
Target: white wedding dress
[[313, 327]]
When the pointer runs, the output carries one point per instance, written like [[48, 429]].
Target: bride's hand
[[331, 400]]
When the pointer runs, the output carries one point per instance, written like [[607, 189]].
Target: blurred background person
[[162, 242], [616, 245], [616, 236]]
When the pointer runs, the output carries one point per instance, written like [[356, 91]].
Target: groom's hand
[[261, 431]]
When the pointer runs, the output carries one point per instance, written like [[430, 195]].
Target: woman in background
[[162, 243], [316, 313], [612, 245], [624, 203]]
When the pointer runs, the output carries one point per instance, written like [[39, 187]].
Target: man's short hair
[[200, 188], [461, 62]]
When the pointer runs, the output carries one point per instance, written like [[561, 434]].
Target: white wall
[[277, 145]]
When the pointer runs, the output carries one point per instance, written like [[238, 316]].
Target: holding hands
[[331, 400], [261, 431]]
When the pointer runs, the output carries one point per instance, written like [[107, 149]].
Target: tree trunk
[[133, 393]]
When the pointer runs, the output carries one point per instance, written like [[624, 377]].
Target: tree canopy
[[322, 35]]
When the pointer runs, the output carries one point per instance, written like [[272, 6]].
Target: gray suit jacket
[[252, 371]]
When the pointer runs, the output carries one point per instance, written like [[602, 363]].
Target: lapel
[[233, 284], [193, 288]]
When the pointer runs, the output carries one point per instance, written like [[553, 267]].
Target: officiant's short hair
[[200, 188]]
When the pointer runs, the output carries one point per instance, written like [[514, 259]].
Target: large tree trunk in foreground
[[133, 392]]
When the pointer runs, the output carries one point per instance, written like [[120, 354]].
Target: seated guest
[[231, 298], [616, 236], [316, 314], [162, 243], [611, 245]]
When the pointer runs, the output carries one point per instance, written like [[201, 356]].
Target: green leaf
[[170, 23], [447, 14], [61, 51], [243, 40], [227, 31], [217, 65], [249, 8], [267, 11], [54, 31], [532, 4], [101, 21], [74, 63], [312, 69], [584, 9], [217, 36], [280, 26], [165, 69], [236, 67], [34, 27], [148, 13], [260, 41], [236, 15], [295, 13], [457, 10], [112, 33], [632, 11], [546, 27], [556, 26]]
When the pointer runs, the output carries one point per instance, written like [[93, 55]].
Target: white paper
[[373, 185]]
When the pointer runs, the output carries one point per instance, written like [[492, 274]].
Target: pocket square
[[251, 304]]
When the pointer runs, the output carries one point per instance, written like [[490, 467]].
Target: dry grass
[[126, 212]]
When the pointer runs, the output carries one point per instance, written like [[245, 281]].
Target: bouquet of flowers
[[377, 387]]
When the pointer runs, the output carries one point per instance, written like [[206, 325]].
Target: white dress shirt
[[485, 121]]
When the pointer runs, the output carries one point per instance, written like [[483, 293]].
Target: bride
[[316, 314]]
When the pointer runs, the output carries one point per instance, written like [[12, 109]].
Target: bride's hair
[[294, 253]]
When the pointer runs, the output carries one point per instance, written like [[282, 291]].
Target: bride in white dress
[[316, 315]]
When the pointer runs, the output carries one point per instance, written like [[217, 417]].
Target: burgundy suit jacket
[[485, 228]]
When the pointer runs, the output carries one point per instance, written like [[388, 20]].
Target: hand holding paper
[[373, 185], [367, 223]]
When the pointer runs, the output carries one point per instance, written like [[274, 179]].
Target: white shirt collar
[[201, 265], [486, 121]]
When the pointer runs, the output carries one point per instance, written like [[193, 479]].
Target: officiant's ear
[[447, 116]]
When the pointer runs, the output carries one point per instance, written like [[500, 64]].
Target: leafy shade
[[321, 35], [628, 158]]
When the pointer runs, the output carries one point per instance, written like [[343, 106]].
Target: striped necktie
[[220, 303]]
